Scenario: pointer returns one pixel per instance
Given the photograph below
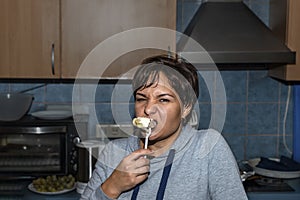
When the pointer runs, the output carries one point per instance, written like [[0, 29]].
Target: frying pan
[[272, 173]]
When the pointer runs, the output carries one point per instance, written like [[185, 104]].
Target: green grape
[[54, 183]]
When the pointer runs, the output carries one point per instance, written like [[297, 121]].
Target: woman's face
[[161, 103]]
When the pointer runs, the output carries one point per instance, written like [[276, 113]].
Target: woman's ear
[[186, 111]]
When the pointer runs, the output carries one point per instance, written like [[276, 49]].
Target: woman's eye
[[140, 99], [164, 100]]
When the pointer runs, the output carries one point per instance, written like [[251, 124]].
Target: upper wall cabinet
[[291, 72], [89, 31], [52, 38], [29, 39]]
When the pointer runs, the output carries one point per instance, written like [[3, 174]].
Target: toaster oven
[[31, 148]]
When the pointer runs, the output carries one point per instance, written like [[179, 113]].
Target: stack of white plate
[[54, 112]]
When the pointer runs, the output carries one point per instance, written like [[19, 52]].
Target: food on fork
[[144, 122]]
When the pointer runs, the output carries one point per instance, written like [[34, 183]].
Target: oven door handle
[[34, 129]]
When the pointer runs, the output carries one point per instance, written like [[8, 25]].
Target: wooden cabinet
[[85, 24], [29, 39], [291, 72], [30, 28]]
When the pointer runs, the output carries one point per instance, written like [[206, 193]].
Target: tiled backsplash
[[255, 125]]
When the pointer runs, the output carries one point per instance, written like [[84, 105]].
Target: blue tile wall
[[59, 93], [260, 8], [185, 12], [256, 124]]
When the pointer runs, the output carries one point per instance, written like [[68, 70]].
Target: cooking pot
[[13, 106]]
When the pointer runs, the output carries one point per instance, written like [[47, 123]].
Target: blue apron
[[164, 178]]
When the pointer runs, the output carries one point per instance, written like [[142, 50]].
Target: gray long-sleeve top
[[203, 168]]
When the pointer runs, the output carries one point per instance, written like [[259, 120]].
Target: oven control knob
[[76, 140]]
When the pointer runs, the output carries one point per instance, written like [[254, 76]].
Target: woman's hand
[[131, 171]]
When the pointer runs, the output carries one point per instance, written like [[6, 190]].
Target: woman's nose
[[150, 108]]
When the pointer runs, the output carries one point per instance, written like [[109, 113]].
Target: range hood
[[234, 36]]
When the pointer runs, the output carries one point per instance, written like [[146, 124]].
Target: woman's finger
[[139, 153]]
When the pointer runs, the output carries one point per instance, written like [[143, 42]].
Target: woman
[[180, 161]]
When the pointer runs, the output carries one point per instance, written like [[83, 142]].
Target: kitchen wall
[[259, 119], [259, 114]]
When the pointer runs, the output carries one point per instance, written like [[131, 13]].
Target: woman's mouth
[[152, 124]]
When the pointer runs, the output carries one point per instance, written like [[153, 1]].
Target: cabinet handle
[[52, 60], [169, 52]]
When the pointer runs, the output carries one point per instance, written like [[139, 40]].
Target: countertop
[[28, 195], [67, 196], [25, 194], [73, 195], [294, 195]]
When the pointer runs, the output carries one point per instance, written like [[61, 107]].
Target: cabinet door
[[85, 24], [29, 39], [291, 72], [293, 38]]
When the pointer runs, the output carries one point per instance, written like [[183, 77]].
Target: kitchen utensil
[[147, 138], [13, 106], [32, 88], [272, 173]]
